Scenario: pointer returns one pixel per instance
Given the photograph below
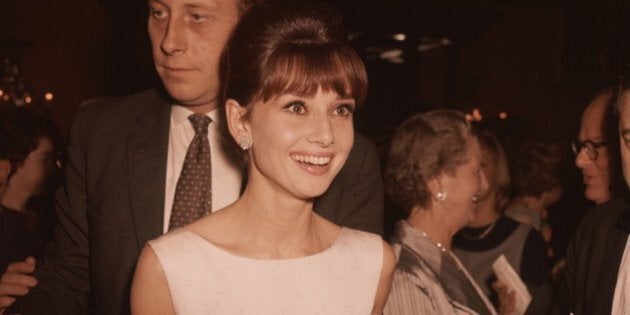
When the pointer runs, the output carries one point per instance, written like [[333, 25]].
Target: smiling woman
[[433, 173], [299, 142], [292, 83]]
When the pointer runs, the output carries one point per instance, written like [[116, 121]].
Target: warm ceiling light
[[476, 114], [399, 37]]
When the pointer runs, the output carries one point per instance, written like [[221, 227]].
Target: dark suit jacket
[[19, 236], [112, 203], [593, 259]]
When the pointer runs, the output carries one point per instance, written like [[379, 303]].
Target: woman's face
[[463, 187], [300, 142], [489, 170]]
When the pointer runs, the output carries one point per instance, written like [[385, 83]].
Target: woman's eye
[[296, 108], [198, 17], [155, 13], [344, 110]]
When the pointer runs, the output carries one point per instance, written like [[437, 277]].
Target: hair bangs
[[303, 69]]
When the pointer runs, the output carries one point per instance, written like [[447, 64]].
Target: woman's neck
[[429, 222], [277, 225]]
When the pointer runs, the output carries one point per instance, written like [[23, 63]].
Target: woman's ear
[[5, 170], [238, 124], [435, 187]]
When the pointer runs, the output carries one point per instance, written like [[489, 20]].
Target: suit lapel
[[147, 155], [607, 279]]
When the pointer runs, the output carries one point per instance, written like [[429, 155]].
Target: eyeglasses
[[590, 146]]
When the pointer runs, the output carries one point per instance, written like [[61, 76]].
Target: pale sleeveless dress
[[204, 279]]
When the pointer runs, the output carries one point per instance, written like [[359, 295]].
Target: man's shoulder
[[130, 103], [607, 211], [604, 217], [363, 157], [363, 149], [120, 112], [362, 143]]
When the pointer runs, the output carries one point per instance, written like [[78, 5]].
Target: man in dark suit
[[597, 273], [123, 163], [594, 258]]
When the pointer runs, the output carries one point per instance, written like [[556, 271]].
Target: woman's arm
[[149, 291], [385, 282]]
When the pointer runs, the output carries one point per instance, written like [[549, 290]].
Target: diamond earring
[[246, 143], [440, 196], [475, 198]]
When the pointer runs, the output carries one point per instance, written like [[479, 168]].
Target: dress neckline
[[217, 249]]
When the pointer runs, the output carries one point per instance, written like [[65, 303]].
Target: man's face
[[624, 135], [595, 173], [187, 39]]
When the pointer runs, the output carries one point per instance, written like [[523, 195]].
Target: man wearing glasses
[[597, 273], [593, 148]]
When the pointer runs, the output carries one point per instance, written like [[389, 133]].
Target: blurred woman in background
[[492, 234]]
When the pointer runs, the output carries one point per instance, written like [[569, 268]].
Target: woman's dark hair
[[295, 47], [423, 147], [21, 129]]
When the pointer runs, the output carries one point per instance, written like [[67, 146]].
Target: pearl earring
[[246, 143], [440, 196]]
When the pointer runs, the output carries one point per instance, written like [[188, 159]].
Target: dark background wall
[[536, 62], [69, 44]]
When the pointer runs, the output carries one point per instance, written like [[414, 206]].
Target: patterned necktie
[[193, 194]]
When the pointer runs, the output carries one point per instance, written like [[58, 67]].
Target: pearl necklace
[[437, 244]]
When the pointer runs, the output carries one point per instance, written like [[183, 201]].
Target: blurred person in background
[[535, 171], [28, 147], [491, 234]]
